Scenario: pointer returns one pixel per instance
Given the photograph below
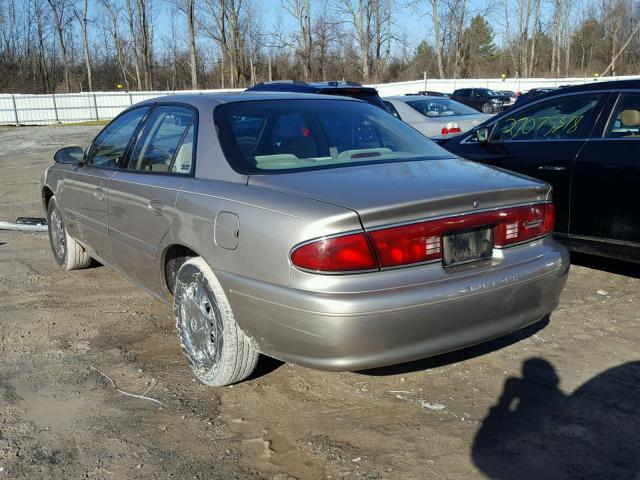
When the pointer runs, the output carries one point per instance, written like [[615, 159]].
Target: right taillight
[[420, 242], [522, 224]]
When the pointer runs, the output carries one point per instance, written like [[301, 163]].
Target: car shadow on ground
[[536, 431], [606, 264], [459, 355]]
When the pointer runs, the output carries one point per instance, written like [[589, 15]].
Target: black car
[[531, 94], [483, 99], [585, 141], [344, 89], [429, 93]]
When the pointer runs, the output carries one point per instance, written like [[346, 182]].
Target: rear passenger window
[[166, 144], [625, 121], [556, 119]]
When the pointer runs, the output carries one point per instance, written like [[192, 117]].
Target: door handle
[[156, 207], [551, 168], [99, 194]]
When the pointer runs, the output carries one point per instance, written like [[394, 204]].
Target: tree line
[[86, 45]]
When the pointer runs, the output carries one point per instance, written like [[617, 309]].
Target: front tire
[[487, 108], [217, 351], [68, 253]]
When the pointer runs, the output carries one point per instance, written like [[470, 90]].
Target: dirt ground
[[560, 399]]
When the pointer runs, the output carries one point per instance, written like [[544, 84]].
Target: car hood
[[402, 191]]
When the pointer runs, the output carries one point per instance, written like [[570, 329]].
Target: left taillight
[[452, 127], [347, 253]]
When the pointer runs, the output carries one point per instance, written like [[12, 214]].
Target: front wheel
[[487, 108], [217, 351], [68, 253]]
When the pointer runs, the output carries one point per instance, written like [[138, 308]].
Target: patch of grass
[[91, 123]]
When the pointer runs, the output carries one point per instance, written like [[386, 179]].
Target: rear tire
[[68, 253], [217, 351]]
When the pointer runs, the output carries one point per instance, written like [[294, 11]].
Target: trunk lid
[[396, 192]]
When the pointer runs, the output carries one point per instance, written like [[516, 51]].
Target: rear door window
[[169, 128], [625, 121], [566, 117]]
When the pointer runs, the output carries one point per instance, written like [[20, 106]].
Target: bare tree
[[188, 7], [300, 10], [60, 18], [85, 42]]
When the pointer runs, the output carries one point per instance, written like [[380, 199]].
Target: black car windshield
[[441, 107], [277, 136], [493, 93]]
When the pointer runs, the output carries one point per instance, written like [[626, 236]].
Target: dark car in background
[[482, 99], [583, 140], [531, 94], [344, 89], [429, 93]]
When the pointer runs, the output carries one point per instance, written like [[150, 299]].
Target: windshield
[[441, 107], [493, 93], [276, 136]]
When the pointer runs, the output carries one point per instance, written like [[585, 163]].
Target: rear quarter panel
[[270, 224]]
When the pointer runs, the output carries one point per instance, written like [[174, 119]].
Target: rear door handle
[[99, 194], [551, 168], [156, 207]]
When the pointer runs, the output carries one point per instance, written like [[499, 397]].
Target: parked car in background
[[319, 230], [346, 89], [531, 94], [434, 116], [585, 141], [429, 93], [512, 96], [482, 99]]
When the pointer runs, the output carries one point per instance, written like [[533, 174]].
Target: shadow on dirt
[[459, 355], [536, 431], [606, 264], [265, 366]]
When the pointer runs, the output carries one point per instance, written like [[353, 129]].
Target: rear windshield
[[277, 136], [441, 107]]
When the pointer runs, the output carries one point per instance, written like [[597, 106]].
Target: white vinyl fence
[[22, 109]]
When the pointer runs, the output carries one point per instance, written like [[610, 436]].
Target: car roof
[[210, 100], [611, 85], [302, 87]]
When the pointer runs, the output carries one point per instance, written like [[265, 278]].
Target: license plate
[[467, 246]]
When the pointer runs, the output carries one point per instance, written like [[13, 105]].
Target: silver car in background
[[320, 231], [434, 116]]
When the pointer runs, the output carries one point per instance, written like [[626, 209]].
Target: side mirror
[[69, 155], [482, 135]]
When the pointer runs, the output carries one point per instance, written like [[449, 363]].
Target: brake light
[[347, 253], [452, 127], [421, 241], [522, 224]]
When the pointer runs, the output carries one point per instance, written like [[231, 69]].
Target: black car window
[[109, 146], [266, 136], [477, 93], [161, 139], [565, 117], [625, 121]]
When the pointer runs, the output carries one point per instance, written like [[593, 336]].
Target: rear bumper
[[357, 330]]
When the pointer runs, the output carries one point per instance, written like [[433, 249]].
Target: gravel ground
[[560, 399]]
